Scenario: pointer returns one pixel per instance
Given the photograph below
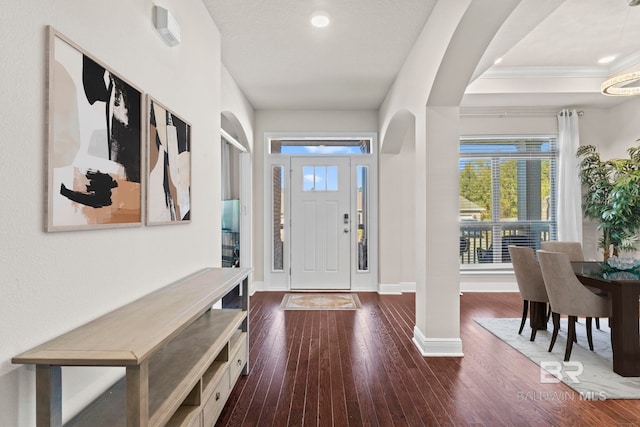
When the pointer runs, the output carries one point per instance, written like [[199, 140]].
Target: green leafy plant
[[612, 196]]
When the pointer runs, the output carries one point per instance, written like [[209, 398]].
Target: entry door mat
[[320, 302]]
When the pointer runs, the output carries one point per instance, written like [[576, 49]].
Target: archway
[[430, 85], [235, 175], [396, 165]]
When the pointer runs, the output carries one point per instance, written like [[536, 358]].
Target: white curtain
[[569, 187]]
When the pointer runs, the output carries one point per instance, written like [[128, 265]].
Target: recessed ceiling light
[[497, 61], [320, 19], [606, 59]]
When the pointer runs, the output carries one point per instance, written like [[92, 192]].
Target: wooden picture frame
[[95, 133], [168, 166]]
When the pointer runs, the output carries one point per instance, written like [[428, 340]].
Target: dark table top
[[603, 272]]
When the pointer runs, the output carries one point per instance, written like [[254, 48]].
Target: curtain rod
[[530, 113], [580, 113], [231, 140]]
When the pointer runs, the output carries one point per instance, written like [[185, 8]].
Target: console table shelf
[[182, 357]]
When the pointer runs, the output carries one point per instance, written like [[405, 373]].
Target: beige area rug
[[320, 302], [590, 373]]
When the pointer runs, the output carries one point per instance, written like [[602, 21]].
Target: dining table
[[623, 287]]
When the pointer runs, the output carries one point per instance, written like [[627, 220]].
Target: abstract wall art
[[169, 166], [95, 142]]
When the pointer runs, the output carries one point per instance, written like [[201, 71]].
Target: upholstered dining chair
[[568, 296], [572, 249], [575, 253], [529, 279]]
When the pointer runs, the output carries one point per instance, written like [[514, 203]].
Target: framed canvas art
[[94, 142], [169, 166]]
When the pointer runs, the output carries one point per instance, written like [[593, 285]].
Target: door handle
[[346, 229]]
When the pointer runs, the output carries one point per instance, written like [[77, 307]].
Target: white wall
[[625, 126], [53, 282], [234, 102], [397, 240], [271, 121], [612, 131], [508, 125]]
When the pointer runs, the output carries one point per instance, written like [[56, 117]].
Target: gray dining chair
[[529, 279], [575, 253], [568, 296], [572, 249]]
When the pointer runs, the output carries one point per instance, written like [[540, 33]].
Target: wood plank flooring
[[361, 368]]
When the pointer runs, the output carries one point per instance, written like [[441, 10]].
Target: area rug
[[320, 302], [589, 373]]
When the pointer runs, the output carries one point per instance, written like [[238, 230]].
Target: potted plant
[[612, 197]]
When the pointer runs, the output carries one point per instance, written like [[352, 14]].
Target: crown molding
[[532, 72], [625, 63], [502, 111], [537, 72]]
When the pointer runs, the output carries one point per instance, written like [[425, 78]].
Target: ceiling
[[549, 49]]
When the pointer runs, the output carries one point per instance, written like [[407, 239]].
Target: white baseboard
[[363, 288], [389, 289], [437, 347], [396, 288], [488, 287], [488, 281], [408, 286], [474, 284], [276, 288], [256, 286]]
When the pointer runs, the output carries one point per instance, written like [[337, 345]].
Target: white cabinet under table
[[182, 357]]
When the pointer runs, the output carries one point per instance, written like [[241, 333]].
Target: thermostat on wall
[[167, 26]]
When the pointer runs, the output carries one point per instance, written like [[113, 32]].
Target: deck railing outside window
[[477, 242]]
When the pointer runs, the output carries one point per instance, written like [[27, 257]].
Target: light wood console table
[[182, 357]]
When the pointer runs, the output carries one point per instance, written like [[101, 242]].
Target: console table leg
[[48, 396], [138, 395]]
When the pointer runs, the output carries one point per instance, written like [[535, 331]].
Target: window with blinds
[[507, 196]]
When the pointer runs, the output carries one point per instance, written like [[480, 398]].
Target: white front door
[[320, 223]]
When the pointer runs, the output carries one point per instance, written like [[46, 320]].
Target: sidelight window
[[277, 174], [362, 218]]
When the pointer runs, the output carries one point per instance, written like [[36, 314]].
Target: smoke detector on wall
[[167, 26]]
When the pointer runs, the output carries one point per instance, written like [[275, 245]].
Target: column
[[437, 330]]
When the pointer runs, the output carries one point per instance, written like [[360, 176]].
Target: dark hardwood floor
[[360, 367]]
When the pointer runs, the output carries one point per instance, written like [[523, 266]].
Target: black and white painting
[[169, 166], [95, 134]]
